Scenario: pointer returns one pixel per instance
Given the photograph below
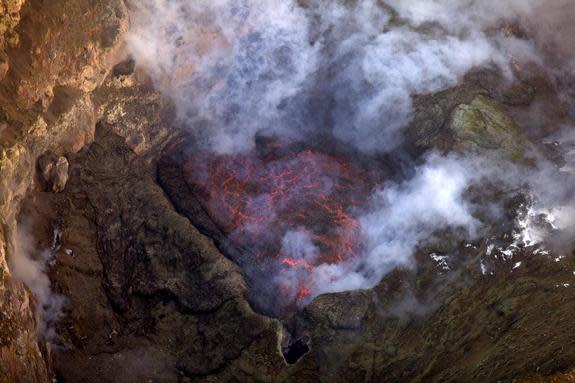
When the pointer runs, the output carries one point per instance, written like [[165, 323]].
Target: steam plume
[[29, 265], [242, 69], [238, 69]]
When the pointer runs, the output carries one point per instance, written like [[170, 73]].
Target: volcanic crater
[[298, 191]]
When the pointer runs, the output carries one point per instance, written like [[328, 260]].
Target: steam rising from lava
[[295, 71], [292, 208], [400, 217], [237, 69]]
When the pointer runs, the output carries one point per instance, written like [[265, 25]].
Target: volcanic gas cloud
[[253, 80]]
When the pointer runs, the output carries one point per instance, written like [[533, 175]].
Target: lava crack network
[[257, 198]]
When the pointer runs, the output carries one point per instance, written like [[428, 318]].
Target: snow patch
[[441, 261]]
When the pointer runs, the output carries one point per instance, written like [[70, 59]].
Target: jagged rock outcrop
[[9, 38], [50, 58], [446, 120], [54, 171], [151, 297], [481, 125], [161, 287], [128, 103]]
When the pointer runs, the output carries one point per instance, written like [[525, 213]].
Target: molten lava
[[257, 198]]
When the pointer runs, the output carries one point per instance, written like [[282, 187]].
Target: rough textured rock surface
[[481, 125], [54, 171], [50, 58], [495, 104], [431, 325], [141, 279], [9, 38], [150, 295]]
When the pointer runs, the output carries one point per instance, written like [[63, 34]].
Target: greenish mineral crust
[[483, 125]]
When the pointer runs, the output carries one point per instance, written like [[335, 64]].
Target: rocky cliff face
[[52, 58], [89, 150]]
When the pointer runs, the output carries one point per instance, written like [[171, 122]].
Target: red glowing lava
[[257, 198]]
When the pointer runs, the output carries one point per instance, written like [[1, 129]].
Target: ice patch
[[531, 231], [507, 253], [441, 261], [563, 285], [490, 249], [483, 268], [540, 251]]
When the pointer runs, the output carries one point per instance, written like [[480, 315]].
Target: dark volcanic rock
[[167, 284], [44, 46], [158, 255], [429, 324], [150, 296]]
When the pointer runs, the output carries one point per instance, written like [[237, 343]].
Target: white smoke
[[227, 64], [551, 24], [299, 249], [552, 190], [29, 264], [298, 244], [401, 217], [404, 216], [239, 69]]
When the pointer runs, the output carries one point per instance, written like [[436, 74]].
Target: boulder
[[54, 171], [483, 125]]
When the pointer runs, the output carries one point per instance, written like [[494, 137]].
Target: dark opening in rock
[[125, 68], [296, 350]]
